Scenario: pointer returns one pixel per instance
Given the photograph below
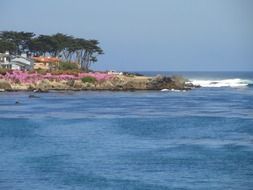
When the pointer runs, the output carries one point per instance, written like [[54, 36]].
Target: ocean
[[197, 139]]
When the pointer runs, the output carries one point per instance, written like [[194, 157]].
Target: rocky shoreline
[[116, 83]]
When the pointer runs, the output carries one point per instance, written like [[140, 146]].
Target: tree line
[[68, 48]]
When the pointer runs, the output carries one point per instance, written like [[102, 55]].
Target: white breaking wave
[[234, 83], [172, 90]]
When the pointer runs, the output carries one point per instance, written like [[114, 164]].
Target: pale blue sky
[[147, 35]]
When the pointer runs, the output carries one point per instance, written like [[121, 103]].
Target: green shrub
[[39, 71], [68, 66], [66, 72], [89, 80]]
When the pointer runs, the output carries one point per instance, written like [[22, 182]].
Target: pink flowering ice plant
[[26, 77]]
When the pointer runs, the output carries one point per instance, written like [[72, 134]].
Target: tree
[[86, 52], [7, 46], [20, 39], [81, 51], [42, 45], [61, 43]]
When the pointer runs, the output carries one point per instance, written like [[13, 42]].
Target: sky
[[146, 35]]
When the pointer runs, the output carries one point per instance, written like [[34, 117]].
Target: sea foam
[[234, 83]]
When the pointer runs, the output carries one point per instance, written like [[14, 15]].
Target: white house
[[113, 72], [5, 59], [17, 62]]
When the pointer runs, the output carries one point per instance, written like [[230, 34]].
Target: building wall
[[15, 67], [43, 66]]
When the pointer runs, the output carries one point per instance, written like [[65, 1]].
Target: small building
[[46, 63], [5, 60], [113, 72], [17, 62]]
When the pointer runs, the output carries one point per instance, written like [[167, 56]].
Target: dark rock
[[165, 82], [132, 74], [33, 96], [179, 82], [190, 85], [160, 82]]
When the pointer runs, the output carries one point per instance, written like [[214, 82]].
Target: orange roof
[[46, 59]]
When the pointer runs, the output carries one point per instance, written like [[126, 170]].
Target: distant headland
[[61, 62]]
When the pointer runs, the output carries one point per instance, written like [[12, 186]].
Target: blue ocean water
[[198, 139]]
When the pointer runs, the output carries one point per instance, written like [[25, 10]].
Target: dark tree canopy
[[18, 39], [71, 49]]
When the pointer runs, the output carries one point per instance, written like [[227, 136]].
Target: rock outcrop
[[5, 85], [164, 82], [117, 83]]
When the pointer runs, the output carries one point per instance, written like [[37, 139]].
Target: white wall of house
[[16, 63], [3, 59], [4, 62], [15, 67]]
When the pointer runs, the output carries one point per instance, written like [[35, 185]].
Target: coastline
[[113, 83]]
